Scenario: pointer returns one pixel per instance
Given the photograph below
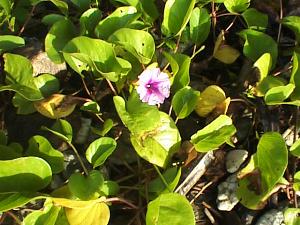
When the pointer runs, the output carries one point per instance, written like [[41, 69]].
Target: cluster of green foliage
[[115, 48]]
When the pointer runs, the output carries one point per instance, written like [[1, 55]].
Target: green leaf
[[50, 215], [109, 188], [7, 6], [82, 4], [60, 4], [295, 77], [86, 188], [157, 187], [91, 106], [18, 70], [51, 19], [24, 91], [41, 147], [24, 106], [255, 19], [83, 52], [10, 42], [296, 183], [107, 125], [176, 16], [170, 209], [62, 129], [58, 36], [236, 6], [25, 174], [267, 83], [7, 152], [139, 43], [291, 216], [214, 134], [180, 65], [293, 22], [200, 23], [137, 116], [277, 95], [295, 148], [184, 101], [99, 150], [258, 43], [263, 64], [89, 20], [14, 200], [120, 18], [159, 144], [264, 171], [47, 84]]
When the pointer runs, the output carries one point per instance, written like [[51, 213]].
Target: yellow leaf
[[56, 106], [95, 214], [223, 52], [209, 99]]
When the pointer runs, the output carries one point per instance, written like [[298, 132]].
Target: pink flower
[[154, 86]]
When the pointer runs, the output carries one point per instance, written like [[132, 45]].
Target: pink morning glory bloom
[[153, 86]]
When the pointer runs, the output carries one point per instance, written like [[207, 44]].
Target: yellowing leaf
[[96, 214], [93, 212], [56, 106], [209, 99], [223, 52]]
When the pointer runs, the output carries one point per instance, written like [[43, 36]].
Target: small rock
[[227, 198], [272, 217], [234, 160]]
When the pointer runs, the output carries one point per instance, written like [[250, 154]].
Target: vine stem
[[116, 199], [280, 25], [162, 178], [111, 87], [79, 158], [26, 21]]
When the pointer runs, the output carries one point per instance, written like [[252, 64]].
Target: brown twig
[[27, 21], [116, 199]]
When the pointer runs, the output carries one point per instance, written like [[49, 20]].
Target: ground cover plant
[[156, 112]]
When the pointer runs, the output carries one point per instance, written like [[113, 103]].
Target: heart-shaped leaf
[[138, 42], [86, 188], [259, 178], [184, 101], [214, 134], [168, 206], [199, 25], [99, 150]]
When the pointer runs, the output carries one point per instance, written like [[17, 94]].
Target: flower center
[[148, 86]]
